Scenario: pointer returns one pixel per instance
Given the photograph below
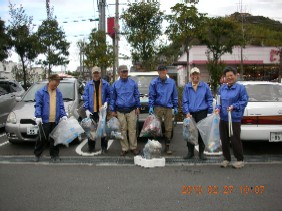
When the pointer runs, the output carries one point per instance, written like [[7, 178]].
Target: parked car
[[262, 119], [20, 125], [143, 79], [9, 90]]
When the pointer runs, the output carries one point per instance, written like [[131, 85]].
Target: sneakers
[[224, 164], [238, 164], [189, 156]]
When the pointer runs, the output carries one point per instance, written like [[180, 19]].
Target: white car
[[262, 119]]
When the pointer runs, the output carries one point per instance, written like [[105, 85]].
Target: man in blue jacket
[[163, 97], [96, 93], [49, 110], [125, 104], [197, 103]]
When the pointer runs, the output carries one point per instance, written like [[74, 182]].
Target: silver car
[[20, 125], [9, 90]]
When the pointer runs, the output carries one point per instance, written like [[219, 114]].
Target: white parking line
[[81, 145], [3, 134], [6, 142]]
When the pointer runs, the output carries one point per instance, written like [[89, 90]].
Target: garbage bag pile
[[209, 130], [90, 127], [152, 127], [152, 149], [113, 129], [190, 131], [66, 131]]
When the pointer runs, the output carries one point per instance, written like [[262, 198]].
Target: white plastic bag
[[152, 127], [152, 149], [101, 128], [190, 131], [66, 131], [90, 127], [209, 130], [113, 129]]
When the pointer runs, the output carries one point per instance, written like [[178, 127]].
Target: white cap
[[195, 70], [96, 69]]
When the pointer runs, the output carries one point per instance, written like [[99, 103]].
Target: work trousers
[[198, 116], [44, 132], [235, 140], [128, 123], [166, 114]]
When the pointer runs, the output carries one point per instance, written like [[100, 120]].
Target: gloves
[[151, 110], [175, 111], [38, 121], [63, 118], [209, 115], [88, 113]]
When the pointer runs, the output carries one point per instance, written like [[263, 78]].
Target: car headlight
[[12, 118]]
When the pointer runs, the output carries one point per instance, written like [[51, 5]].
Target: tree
[[142, 24], [53, 42], [23, 40], [98, 52], [186, 26], [220, 36], [4, 42]]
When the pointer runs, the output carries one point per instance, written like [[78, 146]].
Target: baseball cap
[[195, 70], [96, 69], [122, 68]]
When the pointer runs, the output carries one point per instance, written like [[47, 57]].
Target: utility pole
[[243, 42], [102, 23], [116, 40]]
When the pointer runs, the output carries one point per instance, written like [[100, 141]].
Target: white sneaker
[[238, 164], [224, 164]]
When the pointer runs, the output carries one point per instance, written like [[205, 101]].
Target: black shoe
[[90, 150], [55, 159], [189, 155], [202, 156], [104, 151], [36, 158]]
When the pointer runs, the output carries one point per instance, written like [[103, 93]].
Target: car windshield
[[67, 90], [143, 82], [264, 92]]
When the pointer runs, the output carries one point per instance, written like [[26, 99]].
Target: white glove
[[38, 121], [88, 113], [209, 115], [63, 118]]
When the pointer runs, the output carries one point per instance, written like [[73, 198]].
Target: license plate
[[32, 130], [275, 136]]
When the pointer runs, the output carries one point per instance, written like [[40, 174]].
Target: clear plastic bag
[[66, 131], [90, 127], [152, 149], [113, 129], [190, 131], [101, 128], [209, 130], [152, 127]]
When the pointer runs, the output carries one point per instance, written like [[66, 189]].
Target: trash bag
[[152, 149], [113, 129], [66, 131], [190, 131], [90, 127], [209, 130], [101, 128], [152, 127]]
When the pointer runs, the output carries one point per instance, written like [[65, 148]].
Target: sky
[[73, 16]]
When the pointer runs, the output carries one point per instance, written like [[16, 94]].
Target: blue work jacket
[[88, 95], [124, 95], [237, 96], [163, 93], [42, 105], [199, 100]]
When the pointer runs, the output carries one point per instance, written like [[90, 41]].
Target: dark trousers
[[92, 143], [235, 140], [44, 131], [198, 116]]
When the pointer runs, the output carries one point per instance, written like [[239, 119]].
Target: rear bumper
[[258, 132]]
